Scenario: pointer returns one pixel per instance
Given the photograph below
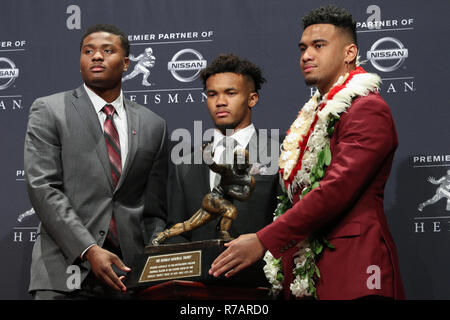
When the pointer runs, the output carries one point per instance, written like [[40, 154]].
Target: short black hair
[[110, 29], [232, 63], [336, 16]]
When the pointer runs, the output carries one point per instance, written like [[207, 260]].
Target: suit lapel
[[85, 109], [257, 146], [133, 139], [261, 145]]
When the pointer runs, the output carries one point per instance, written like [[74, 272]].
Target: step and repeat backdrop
[[405, 42]]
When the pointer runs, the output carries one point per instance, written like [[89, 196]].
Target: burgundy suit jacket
[[348, 208]]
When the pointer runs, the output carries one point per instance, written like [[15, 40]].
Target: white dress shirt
[[120, 119], [242, 138]]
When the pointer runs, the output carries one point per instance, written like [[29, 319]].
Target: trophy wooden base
[[188, 263]]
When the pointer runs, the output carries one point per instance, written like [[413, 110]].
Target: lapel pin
[[134, 132]]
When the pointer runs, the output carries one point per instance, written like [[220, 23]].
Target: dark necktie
[[112, 143], [113, 146]]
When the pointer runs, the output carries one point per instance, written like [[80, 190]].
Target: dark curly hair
[[333, 15], [232, 63], [110, 29]]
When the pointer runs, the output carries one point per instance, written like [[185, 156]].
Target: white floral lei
[[361, 84]]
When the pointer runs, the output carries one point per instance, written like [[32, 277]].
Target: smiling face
[[324, 51], [230, 99], [102, 61]]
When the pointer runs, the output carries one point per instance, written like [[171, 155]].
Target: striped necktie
[[113, 146], [112, 143]]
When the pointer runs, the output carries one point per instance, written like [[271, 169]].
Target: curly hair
[[232, 63], [332, 15], [110, 29]]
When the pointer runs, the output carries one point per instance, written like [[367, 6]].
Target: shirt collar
[[242, 136], [99, 103]]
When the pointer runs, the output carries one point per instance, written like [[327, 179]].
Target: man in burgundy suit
[[346, 207]]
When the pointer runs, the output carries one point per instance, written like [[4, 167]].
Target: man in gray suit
[[96, 171], [232, 86]]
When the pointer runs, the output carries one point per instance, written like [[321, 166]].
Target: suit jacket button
[[102, 233]]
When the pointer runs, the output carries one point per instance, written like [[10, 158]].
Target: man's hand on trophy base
[[240, 253]]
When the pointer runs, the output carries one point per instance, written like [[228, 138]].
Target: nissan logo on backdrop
[[387, 49], [191, 66], [9, 74]]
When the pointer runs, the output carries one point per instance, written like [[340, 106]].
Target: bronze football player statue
[[235, 183]]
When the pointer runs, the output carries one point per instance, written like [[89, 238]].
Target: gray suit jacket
[[70, 186], [189, 183]]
